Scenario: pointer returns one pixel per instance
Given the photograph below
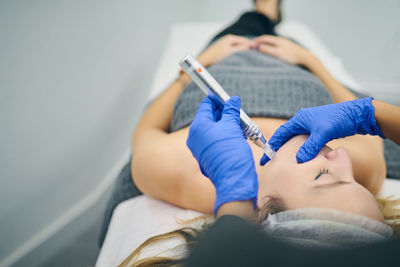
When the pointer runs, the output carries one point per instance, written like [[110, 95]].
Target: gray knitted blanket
[[268, 87]]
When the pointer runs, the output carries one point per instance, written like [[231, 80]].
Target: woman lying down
[[328, 201]]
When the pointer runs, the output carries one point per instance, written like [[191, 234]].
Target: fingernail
[[264, 160]]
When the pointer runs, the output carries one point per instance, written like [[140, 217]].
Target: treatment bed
[[131, 217]]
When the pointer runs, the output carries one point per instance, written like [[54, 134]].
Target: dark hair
[[191, 235]]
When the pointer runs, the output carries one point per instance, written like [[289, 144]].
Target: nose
[[339, 162], [332, 155], [338, 154]]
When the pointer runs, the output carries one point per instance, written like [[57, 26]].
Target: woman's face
[[325, 182]]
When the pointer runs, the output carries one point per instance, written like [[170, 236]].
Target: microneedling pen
[[208, 84]]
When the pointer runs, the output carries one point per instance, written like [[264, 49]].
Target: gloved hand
[[217, 142], [325, 123]]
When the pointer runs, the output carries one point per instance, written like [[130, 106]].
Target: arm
[[162, 166], [243, 209], [388, 118], [216, 141], [157, 117], [366, 151], [337, 91], [290, 52]]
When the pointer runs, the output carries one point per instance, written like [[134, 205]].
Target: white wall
[[74, 77], [67, 91], [364, 33]]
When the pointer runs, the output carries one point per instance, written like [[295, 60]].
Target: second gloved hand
[[217, 142], [325, 123]]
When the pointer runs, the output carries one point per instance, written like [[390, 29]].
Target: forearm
[[159, 112], [243, 209], [337, 91], [388, 119], [157, 117], [165, 169], [366, 151]]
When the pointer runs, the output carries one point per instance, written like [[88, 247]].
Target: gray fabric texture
[[268, 87], [392, 157], [325, 228]]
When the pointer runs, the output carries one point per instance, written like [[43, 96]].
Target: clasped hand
[[275, 46]]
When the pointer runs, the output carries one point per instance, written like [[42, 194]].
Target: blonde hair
[[191, 235], [388, 206]]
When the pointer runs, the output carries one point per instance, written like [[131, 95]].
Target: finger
[[264, 160], [220, 106], [311, 147], [269, 50], [280, 137], [267, 39], [284, 133], [206, 109], [232, 109], [239, 39], [216, 100]]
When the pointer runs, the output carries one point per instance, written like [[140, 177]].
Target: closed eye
[[321, 172]]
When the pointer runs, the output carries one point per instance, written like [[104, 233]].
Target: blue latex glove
[[217, 142], [325, 123]]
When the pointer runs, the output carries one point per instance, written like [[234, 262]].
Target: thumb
[[206, 110], [232, 109], [311, 148], [241, 47]]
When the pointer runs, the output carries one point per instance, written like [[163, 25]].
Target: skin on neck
[[269, 8]]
